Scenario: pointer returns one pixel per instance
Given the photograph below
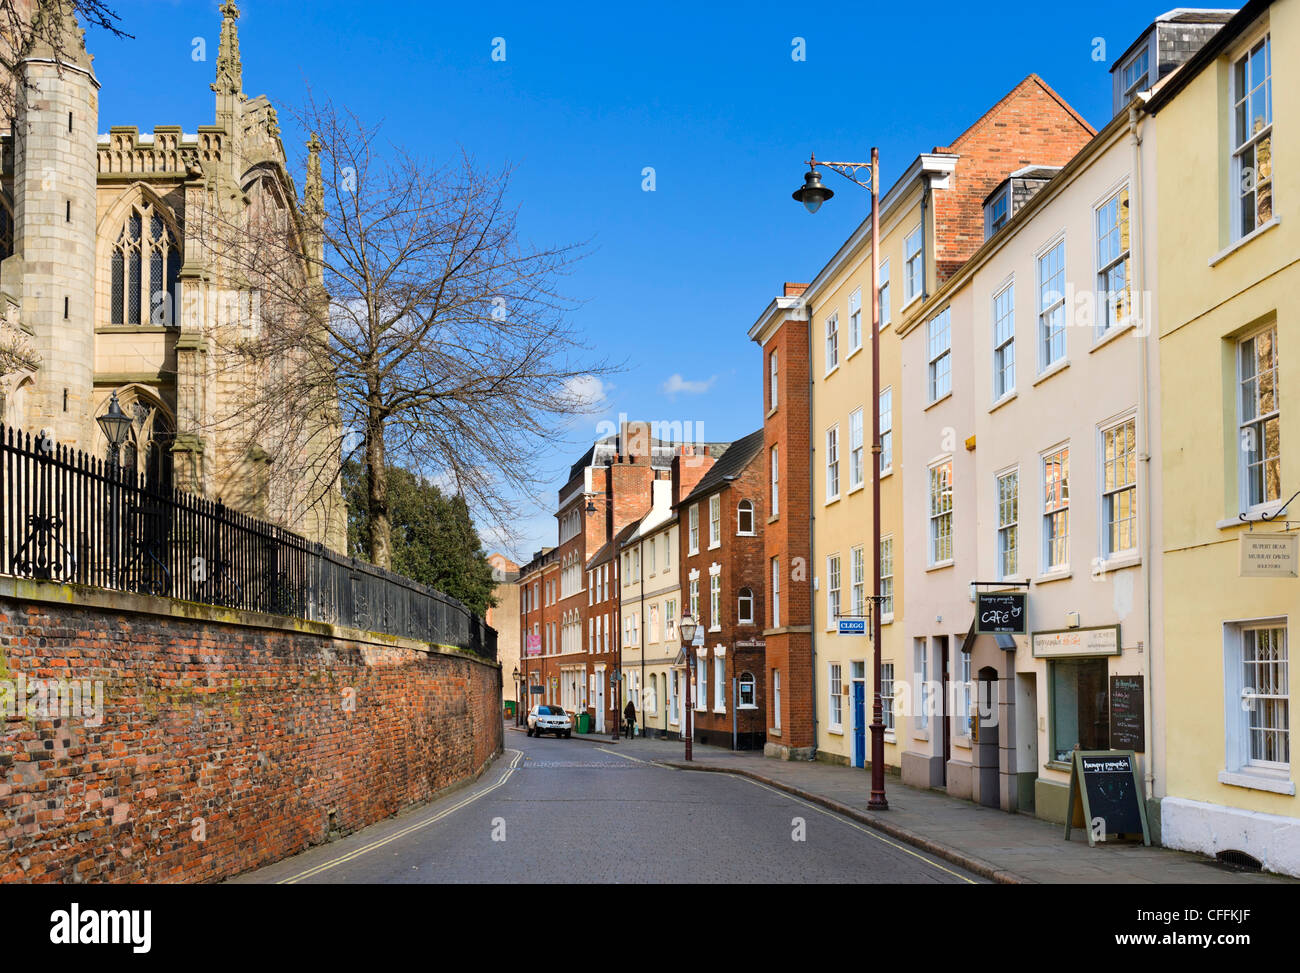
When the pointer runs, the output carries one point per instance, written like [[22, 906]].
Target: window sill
[[887, 619], [890, 737], [887, 471], [771, 412], [745, 533], [714, 546], [1062, 575], [941, 565], [923, 735], [1008, 397], [1053, 369], [853, 490], [931, 405], [1233, 248], [836, 730], [774, 731], [1257, 781], [1254, 515], [831, 371], [719, 712], [1112, 334], [774, 518], [909, 301], [831, 500], [852, 352], [1118, 563]]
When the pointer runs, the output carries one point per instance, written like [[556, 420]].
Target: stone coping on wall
[[110, 601]]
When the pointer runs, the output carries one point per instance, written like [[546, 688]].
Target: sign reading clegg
[[1000, 613]]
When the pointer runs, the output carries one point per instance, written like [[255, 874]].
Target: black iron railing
[[68, 517]]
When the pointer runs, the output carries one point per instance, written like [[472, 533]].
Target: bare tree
[[438, 338], [26, 25]]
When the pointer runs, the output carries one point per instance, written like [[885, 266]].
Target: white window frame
[[715, 521], [772, 396], [1251, 428], [835, 697], [857, 582], [701, 683], [1052, 330], [1004, 341], [719, 683], [746, 507], [1113, 258], [940, 516], [992, 221], [887, 579], [776, 480], [913, 264], [882, 294], [886, 406], [1008, 522], [833, 592], [832, 341], [1242, 701], [887, 698], [1055, 503], [857, 451], [693, 531], [776, 699], [776, 592], [715, 602], [1111, 492], [745, 607], [833, 463], [1141, 80], [855, 321], [938, 337], [921, 669], [1245, 178]]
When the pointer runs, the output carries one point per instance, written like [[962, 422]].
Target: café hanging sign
[[1000, 613]]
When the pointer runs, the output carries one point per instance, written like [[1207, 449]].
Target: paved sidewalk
[[1012, 848]]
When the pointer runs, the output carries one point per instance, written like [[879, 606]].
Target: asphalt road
[[571, 811]]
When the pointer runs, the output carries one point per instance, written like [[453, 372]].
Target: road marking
[[326, 866], [623, 755], [853, 824]]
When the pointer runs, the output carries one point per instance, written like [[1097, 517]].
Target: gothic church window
[[146, 263]]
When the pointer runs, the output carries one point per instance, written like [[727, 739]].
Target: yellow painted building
[[1229, 329]]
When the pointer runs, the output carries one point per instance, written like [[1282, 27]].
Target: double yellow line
[[434, 819]]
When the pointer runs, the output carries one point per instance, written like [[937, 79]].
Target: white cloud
[[676, 384], [589, 391]]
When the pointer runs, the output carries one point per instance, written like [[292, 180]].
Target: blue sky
[[590, 94]]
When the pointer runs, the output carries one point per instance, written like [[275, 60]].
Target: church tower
[[54, 222]]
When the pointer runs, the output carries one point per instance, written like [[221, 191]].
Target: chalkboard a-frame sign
[[1105, 783]]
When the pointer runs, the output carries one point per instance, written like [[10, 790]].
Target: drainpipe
[[1145, 330], [925, 270], [812, 518]]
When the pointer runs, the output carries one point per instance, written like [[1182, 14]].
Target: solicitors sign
[[1269, 555]]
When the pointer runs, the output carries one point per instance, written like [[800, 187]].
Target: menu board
[[1106, 796], [1127, 713]]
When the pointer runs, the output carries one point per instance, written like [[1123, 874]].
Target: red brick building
[[721, 557]]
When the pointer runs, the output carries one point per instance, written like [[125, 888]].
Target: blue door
[[859, 723]]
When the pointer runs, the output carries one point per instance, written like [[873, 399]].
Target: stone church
[[109, 285]]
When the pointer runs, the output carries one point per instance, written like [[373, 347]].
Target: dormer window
[[1136, 74], [997, 211]]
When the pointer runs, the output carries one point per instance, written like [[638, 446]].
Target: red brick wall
[[240, 725], [789, 536], [1030, 126]]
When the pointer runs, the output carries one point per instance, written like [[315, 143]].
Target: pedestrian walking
[[629, 716]]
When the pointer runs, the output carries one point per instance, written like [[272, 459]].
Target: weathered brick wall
[[238, 720]]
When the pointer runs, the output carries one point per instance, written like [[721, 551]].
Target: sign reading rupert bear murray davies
[[1102, 640], [1269, 555], [1001, 612]]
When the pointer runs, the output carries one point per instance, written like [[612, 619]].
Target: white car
[[549, 719]]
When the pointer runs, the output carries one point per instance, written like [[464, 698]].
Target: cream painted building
[[1229, 330], [1029, 381], [650, 600], [108, 281], [925, 235]]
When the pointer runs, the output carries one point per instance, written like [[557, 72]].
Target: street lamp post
[[688, 627], [116, 425], [518, 701], [812, 194]]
